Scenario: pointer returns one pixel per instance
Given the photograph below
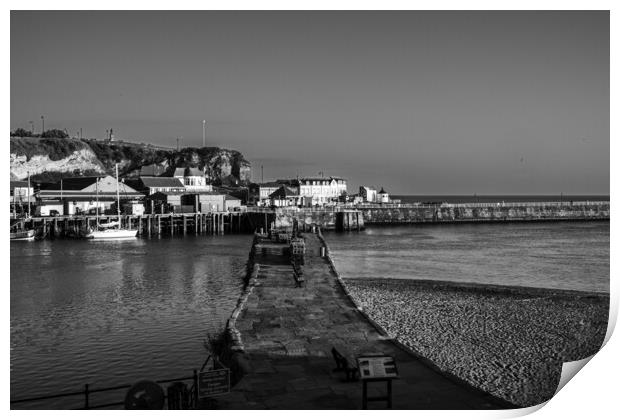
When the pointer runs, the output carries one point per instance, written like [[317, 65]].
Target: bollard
[[322, 252]]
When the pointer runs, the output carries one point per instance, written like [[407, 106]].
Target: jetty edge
[[281, 335]]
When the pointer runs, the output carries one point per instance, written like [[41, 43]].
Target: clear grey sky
[[417, 102]]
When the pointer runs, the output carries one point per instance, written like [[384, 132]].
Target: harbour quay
[[287, 340]]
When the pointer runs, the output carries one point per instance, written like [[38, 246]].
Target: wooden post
[[184, 224], [158, 224]]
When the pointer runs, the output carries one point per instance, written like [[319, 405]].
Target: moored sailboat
[[112, 230]]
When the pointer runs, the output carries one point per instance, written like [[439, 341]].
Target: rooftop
[[161, 182], [283, 192]]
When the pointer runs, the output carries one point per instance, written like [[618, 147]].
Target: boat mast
[[118, 199], [97, 194], [28, 193]]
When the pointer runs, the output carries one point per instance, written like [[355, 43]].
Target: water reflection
[[107, 313]]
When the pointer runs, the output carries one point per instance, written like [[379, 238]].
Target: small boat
[[106, 233], [23, 235], [112, 230]]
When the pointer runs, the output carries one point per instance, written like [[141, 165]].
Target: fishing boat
[[112, 230], [22, 235]]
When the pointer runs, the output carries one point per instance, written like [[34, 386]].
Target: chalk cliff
[[51, 159]]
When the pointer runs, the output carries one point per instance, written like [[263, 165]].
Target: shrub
[[20, 132], [54, 134]]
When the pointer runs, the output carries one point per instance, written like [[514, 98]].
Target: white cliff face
[[81, 160]]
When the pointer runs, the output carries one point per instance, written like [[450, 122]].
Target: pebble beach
[[508, 341]]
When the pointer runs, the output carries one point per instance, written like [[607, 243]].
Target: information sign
[[377, 366], [213, 382]]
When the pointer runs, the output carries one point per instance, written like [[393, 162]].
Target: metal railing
[[87, 392]]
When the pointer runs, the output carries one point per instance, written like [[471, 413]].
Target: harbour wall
[[356, 218], [485, 212]]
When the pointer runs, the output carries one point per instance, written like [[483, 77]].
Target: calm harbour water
[[562, 255], [110, 313]]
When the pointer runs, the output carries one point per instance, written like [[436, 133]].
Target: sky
[[467, 103]]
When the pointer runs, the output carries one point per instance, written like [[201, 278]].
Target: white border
[[591, 395]]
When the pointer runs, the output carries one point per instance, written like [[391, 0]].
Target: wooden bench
[[343, 364], [299, 279]]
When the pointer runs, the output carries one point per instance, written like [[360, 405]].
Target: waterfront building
[[232, 203], [317, 191], [193, 179], [262, 191], [285, 196], [383, 196], [50, 208], [87, 195], [151, 184], [368, 194], [213, 201], [321, 190], [163, 202]]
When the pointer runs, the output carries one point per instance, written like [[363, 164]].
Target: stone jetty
[[284, 335]]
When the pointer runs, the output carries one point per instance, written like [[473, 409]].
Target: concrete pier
[[284, 334]]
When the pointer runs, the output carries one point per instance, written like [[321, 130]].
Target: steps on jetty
[[288, 333]]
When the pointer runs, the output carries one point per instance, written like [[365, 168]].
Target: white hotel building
[[319, 190]]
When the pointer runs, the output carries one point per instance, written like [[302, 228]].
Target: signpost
[[213, 382], [377, 368]]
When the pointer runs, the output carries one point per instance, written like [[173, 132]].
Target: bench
[[299, 279], [345, 365]]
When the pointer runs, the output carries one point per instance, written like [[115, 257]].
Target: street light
[[42, 124], [204, 122]]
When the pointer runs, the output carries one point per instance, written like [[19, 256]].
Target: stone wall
[[325, 219], [486, 213], [356, 218]]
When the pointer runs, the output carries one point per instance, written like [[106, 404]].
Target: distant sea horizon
[[411, 198]]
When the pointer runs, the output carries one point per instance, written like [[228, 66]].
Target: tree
[[20, 132], [54, 134]]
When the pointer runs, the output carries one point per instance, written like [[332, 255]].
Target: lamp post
[[204, 123], [42, 124]]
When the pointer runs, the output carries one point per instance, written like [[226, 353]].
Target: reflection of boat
[[112, 230], [22, 235]]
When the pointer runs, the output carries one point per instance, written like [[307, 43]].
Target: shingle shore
[[510, 342]]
